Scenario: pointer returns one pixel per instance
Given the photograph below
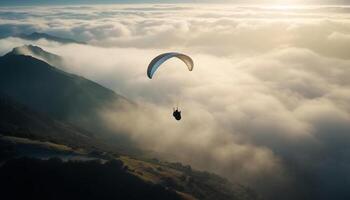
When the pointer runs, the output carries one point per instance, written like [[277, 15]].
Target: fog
[[267, 104]]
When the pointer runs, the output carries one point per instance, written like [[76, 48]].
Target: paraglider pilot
[[177, 114], [159, 60]]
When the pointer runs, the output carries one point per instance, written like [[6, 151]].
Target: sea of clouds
[[268, 102]]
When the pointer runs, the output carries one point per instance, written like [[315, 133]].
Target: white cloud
[[267, 103]]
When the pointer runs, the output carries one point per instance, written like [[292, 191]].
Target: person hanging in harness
[[177, 114]]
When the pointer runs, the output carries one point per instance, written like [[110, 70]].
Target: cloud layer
[[267, 104]]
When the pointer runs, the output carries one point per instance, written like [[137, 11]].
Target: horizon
[[228, 2]]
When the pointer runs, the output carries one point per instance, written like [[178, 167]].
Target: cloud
[[226, 30], [267, 104]]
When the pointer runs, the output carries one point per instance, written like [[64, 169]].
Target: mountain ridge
[[39, 53], [37, 36], [16, 71]]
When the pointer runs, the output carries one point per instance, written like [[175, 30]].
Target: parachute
[[159, 60]]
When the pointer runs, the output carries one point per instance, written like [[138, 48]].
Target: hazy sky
[[271, 2], [267, 104]]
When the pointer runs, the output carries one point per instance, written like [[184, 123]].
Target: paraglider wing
[[159, 60]]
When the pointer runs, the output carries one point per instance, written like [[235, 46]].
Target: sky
[[267, 104], [274, 2]]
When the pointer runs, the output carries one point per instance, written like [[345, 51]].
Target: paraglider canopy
[[159, 60]]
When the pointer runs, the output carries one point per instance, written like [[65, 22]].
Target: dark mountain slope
[[46, 89], [18, 120], [28, 178], [187, 182]]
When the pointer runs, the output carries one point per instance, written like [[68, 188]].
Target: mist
[[267, 104]]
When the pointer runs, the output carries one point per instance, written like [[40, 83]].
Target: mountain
[[26, 133], [37, 36], [40, 54], [30, 178], [20, 121], [52, 144], [184, 179], [171, 178], [49, 90], [61, 96]]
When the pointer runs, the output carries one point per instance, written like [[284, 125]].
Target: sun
[[285, 4]]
